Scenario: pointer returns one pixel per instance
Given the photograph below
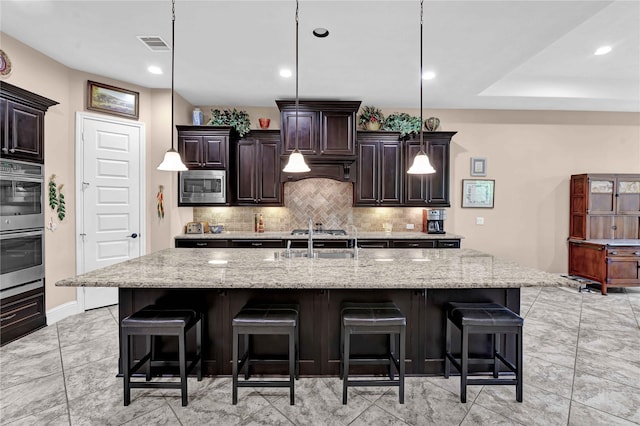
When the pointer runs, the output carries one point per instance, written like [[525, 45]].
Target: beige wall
[[530, 155]]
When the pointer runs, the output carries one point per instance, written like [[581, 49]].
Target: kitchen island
[[220, 281]]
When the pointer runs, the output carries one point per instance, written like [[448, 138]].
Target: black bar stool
[[373, 318], [160, 321], [483, 318], [265, 319]]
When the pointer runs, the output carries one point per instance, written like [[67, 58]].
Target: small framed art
[[478, 166]]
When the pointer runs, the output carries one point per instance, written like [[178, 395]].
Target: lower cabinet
[[317, 243], [21, 314], [611, 266], [201, 243]]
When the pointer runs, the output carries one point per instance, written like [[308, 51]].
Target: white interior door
[[110, 197]]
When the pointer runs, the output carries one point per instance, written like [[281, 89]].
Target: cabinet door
[[25, 133], [438, 182], [390, 173], [269, 188], [246, 172], [416, 186], [367, 188], [190, 147], [214, 151], [337, 133], [601, 227], [627, 227], [307, 131], [4, 139], [602, 195], [628, 195], [623, 270]]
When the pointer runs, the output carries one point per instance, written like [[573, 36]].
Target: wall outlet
[[479, 220], [409, 225]]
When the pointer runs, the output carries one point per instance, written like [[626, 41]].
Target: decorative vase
[[372, 125], [432, 123], [264, 122]]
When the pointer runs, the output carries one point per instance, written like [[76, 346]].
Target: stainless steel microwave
[[202, 187]]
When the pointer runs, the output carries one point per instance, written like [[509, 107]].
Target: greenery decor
[[239, 120], [56, 197], [402, 122], [371, 114]]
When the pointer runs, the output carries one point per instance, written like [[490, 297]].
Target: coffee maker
[[435, 221]]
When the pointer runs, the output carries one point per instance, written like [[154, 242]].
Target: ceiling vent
[[154, 43]]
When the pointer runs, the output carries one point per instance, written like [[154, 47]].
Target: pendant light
[[172, 161], [421, 164], [296, 163]]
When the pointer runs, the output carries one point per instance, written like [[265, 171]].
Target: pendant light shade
[[172, 161], [296, 163], [421, 164]]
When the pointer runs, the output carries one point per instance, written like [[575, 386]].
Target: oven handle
[[22, 178], [6, 236]]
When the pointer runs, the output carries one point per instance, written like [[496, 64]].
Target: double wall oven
[[21, 227]]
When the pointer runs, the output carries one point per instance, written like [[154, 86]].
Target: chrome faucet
[[355, 242], [310, 240]]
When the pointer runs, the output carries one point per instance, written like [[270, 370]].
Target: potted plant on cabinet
[[239, 120], [402, 122], [371, 118]]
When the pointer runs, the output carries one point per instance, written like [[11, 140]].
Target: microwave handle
[[22, 178], [20, 235]]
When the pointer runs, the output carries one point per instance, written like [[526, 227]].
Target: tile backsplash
[[325, 201]]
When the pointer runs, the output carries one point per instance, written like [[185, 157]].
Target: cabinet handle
[[414, 245], [636, 253], [319, 245], [201, 244], [12, 150], [614, 253], [8, 318], [5, 150], [256, 244]]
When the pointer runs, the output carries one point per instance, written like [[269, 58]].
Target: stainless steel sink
[[317, 254]]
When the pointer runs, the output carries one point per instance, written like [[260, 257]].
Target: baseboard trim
[[63, 311]]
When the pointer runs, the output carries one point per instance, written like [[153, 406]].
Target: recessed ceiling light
[[602, 50], [428, 75], [154, 70], [321, 32], [286, 73]]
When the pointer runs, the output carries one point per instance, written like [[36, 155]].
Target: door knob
[[134, 235]]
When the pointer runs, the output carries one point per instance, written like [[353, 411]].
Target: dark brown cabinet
[[428, 190], [604, 206], [21, 314], [379, 169], [204, 147], [257, 173], [325, 128], [22, 123]]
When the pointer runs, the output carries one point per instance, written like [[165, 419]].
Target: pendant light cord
[[421, 132], [297, 101], [173, 50]]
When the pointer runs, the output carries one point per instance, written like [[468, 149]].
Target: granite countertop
[[609, 242], [287, 236], [260, 268]]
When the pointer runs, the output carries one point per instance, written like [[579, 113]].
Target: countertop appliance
[[434, 223], [202, 187]]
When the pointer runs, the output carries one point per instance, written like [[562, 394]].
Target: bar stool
[[373, 318], [160, 321], [483, 318], [265, 319]]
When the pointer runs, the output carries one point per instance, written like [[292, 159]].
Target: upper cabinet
[[379, 175], [326, 129], [22, 123], [605, 206], [257, 171], [204, 147], [428, 190]]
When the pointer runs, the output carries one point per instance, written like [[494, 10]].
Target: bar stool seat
[[160, 321], [483, 318], [257, 318], [373, 318]]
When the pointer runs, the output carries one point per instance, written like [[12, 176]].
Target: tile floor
[[582, 367]]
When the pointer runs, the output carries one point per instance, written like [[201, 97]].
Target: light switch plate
[[479, 220], [409, 225]]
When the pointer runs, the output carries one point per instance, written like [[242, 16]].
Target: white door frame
[[80, 116]]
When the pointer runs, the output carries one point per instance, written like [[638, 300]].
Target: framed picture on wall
[[478, 166], [112, 100], [478, 193]]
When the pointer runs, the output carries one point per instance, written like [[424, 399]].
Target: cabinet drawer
[[22, 314], [413, 243], [624, 251], [256, 243], [373, 243], [201, 243], [321, 243], [448, 244]]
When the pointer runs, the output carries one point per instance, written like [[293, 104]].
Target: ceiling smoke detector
[[154, 43]]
